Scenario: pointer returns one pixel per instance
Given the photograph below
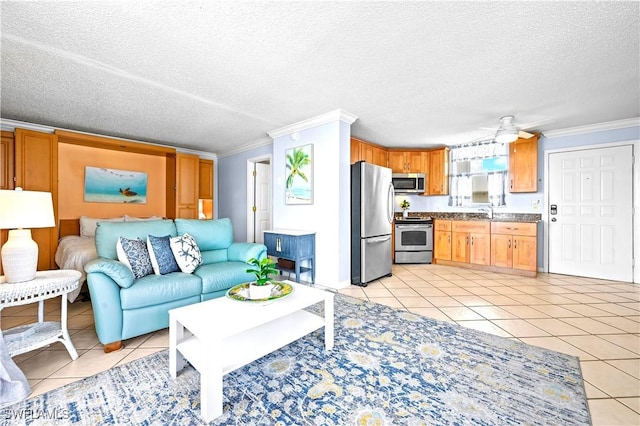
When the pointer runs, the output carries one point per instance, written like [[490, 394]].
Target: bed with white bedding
[[77, 244], [74, 252]]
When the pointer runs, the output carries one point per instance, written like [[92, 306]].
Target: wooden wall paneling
[[36, 168], [6, 160], [171, 186], [205, 181], [96, 141], [7, 145], [187, 190]]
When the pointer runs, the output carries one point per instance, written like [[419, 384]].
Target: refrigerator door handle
[[378, 239], [390, 197]]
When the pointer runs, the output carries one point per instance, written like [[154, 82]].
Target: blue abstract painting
[[114, 186]]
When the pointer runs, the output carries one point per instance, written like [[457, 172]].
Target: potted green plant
[[262, 286], [404, 205]]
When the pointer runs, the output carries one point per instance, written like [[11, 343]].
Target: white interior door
[[591, 214], [263, 200]]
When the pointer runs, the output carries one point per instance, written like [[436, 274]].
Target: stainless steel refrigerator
[[371, 220]]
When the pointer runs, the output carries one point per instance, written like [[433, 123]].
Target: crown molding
[[329, 117], [591, 128], [253, 145], [11, 125]]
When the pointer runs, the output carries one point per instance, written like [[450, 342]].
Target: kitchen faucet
[[488, 210]]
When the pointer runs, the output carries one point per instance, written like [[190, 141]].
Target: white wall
[[329, 215]]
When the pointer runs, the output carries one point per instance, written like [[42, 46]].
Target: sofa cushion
[[209, 234], [135, 255], [157, 289], [186, 251], [162, 258], [107, 233], [223, 275]]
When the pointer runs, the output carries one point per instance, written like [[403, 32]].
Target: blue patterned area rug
[[388, 367]]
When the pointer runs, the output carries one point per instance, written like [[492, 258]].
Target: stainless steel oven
[[414, 240]]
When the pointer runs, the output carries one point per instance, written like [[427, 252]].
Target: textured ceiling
[[215, 76]]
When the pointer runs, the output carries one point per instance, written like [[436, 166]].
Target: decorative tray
[[240, 292]]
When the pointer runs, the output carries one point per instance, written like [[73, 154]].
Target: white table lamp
[[20, 211]]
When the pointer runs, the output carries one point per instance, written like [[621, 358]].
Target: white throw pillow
[[186, 252]]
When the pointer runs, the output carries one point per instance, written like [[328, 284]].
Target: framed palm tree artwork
[[299, 185]]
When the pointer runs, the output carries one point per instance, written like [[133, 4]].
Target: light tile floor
[[595, 320]]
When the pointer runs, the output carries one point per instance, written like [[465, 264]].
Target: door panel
[[375, 220], [376, 257], [460, 247], [591, 234], [263, 200]]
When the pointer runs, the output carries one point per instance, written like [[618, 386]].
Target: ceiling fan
[[509, 132]]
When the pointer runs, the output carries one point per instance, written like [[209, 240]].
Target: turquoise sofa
[[124, 307]]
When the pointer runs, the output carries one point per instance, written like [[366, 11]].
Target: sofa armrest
[[115, 270], [105, 297], [242, 252]]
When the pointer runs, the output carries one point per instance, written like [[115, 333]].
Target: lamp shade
[[26, 209]]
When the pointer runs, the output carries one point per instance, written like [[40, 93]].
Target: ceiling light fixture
[[507, 132]]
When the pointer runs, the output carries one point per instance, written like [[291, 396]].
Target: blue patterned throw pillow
[[135, 255], [186, 251], [162, 258]]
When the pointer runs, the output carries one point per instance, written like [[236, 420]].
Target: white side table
[[46, 285]]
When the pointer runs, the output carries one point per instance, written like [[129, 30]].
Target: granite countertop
[[497, 217]]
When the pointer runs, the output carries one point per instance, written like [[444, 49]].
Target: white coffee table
[[223, 335]]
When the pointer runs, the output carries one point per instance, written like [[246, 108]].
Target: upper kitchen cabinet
[[408, 161], [367, 151], [187, 188], [36, 169], [438, 178], [205, 182], [523, 165]]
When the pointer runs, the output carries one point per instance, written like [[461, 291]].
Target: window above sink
[[478, 174]]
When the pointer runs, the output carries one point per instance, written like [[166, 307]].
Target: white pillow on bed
[[88, 225]]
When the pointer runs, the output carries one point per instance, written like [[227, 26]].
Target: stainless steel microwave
[[409, 183]]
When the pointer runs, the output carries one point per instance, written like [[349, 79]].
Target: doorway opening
[[259, 207]]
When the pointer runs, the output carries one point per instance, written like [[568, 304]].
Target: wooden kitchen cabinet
[[442, 239], [366, 151], [187, 188], [205, 179], [471, 242], [514, 245], [523, 165], [438, 176], [36, 169], [408, 161]]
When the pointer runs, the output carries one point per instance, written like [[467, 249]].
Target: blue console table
[[295, 245]]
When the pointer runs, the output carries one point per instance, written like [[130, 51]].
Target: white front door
[[591, 214]]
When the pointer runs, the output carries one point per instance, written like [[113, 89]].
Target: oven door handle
[[415, 225], [378, 240]]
